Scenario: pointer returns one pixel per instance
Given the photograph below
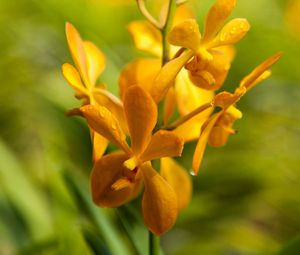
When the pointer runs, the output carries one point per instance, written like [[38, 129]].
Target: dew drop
[[223, 37], [114, 126], [101, 112], [192, 172], [233, 30]]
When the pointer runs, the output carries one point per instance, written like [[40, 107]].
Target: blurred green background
[[246, 199]]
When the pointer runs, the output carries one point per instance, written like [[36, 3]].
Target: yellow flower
[[116, 177], [219, 126], [143, 72], [208, 57], [89, 64]]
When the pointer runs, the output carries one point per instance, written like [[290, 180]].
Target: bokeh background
[[246, 198]]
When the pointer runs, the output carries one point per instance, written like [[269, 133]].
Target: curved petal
[[216, 17], [225, 99], [163, 144], [183, 12], [202, 142], [179, 180], [141, 72], [105, 173], [77, 51], [169, 106], [141, 116], [103, 122], [259, 73], [186, 34], [146, 37], [159, 203], [73, 78], [95, 61], [99, 145], [231, 33]]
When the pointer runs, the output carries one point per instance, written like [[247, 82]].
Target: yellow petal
[[163, 144], [169, 106], [259, 73], [226, 99], [231, 33], [77, 51], [166, 77], [159, 202], [107, 170], [141, 116], [73, 78], [146, 37], [179, 180], [103, 122], [183, 12], [96, 61], [141, 72], [216, 17], [111, 102], [186, 34], [99, 145], [202, 142]]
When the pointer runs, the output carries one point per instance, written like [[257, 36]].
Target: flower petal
[[141, 116], [259, 73], [183, 12], [163, 144], [73, 78], [103, 122], [186, 34], [141, 72], [225, 99], [216, 18], [166, 77], [107, 170], [202, 142], [169, 106], [77, 51], [99, 145], [159, 203], [146, 37], [231, 33], [96, 61], [179, 180]]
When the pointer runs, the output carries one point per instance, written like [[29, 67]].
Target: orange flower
[[116, 177], [219, 126]]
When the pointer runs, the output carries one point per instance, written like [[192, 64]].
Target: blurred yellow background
[[247, 196]]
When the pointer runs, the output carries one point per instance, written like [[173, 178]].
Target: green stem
[[153, 244]]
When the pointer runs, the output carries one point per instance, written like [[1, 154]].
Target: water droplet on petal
[[192, 172], [114, 126], [223, 36]]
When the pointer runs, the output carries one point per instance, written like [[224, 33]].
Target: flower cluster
[[181, 77]]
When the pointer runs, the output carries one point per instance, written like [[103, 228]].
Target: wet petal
[[146, 37], [179, 180], [96, 61], [202, 142], [141, 116], [141, 72], [103, 122], [159, 203], [163, 144], [216, 17], [105, 173], [186, 34], [166, 77], [77, 51], [73, 78], [259, 73], [231, 33]]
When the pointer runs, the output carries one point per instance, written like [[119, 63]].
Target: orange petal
[[96, 61], [169, 106], [166, 77], [103, 122], [225, 99], [231, 33], [179, 180], [163, 144], [202, 142], [141, 72], [77, 51], [183, 12], [186, 34], [216, 17], [141, 116], [105, 173], [159, 203], [146, 37], [73, 78], [99, 145], [259, 73]]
